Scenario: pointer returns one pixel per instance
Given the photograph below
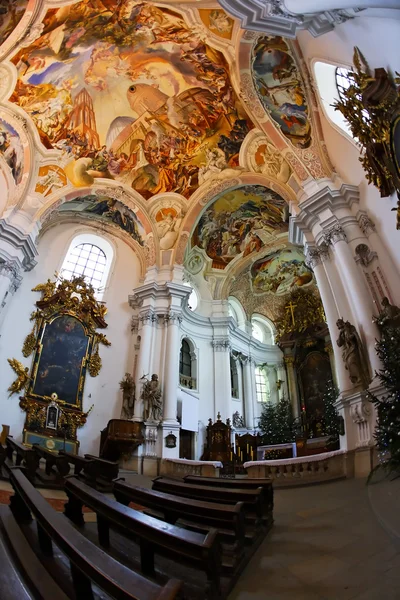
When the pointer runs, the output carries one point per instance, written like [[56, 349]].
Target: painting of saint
[[315, 372], [11, 150], [241, 222], [64, 347], [281, 90], [107, 209], [128, 91], [280, 272], [11, 12]]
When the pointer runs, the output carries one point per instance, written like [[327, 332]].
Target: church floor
[[337, 541]]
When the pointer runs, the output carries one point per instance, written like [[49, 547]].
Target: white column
[[293, 393], [357, 291], [10, 280], [222, 378], [248, 376], [171, 372], [146, 331], [314, 260]]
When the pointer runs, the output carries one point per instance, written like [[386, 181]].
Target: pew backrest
[[88, 562]]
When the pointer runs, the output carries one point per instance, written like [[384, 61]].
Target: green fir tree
[[276, 422], [387, 432], [331, 425]]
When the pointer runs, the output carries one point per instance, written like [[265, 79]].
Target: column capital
[[148, 317], [366, 224], [11, 270], [289, 360], [334, 234], [174, 317], [223, 345], [134, 324], [313, 258]]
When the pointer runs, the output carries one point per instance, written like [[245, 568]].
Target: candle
[[247, 448], [231, 456]]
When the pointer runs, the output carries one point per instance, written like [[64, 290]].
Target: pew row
[[88, 563], [251, 498], [23, 456], [57, 466], [195, 515], [102, 471], [154, 536]]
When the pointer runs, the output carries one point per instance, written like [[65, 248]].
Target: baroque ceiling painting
[[11, 12], [240, 222], [108, 210], [11, 150], [280, 88], [130, 92], [280, 272], [217, 22]]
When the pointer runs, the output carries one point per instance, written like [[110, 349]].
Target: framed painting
[[59, 367]]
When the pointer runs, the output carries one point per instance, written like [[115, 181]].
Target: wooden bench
[[242, 483], [53, 460], [24, 455], [252, 499], [79, 462], [154, 536], [103, 471], [88, 563], [193, 514]]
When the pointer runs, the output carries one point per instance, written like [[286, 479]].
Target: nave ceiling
[[146, 118]]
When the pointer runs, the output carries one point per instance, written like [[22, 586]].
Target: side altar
[[65, 344]]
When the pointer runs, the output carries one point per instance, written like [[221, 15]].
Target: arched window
[[257, 332], [331, 82], [90, 256], [263, 391], [237, 312], [234, 379], [187, 365], [262, 330]]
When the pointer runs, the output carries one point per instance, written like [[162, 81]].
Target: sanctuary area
[[199, 278]]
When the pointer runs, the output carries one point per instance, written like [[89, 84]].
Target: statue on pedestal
[[353, 353], [389, 317], [128, 388], [153, 404]]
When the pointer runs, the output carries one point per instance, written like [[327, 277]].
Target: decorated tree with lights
[[387, 432], [276, 422], [331, 425]]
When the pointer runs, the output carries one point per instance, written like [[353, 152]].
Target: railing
[[188, 382], [302, 470], [181, 466]]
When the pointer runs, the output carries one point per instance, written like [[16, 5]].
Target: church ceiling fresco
[[130, 92], [280, 88], [11, 12], [240, 222], [109, 210], [11, 150], [51, 178], [217, 22], [280, 272]]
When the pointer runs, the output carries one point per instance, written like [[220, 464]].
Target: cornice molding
[[21, 242]]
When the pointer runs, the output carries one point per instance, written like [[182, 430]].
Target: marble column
[[222, 378], [248, 376], [146, 332], [357, 291], [10, 280], [331, 313], [171, 373], [293, 390]]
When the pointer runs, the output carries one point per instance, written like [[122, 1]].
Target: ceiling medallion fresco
[[11, 150], [280, 89], [280, 272], [109, 210], [130, 92], [11, 12], [240, 222]]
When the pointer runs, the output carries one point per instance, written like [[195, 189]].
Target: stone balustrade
[[301, 470], [179, 467]]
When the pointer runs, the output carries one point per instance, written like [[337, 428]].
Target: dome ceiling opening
[[131, 92], [241, 222]]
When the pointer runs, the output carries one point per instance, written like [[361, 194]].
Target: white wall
[[102, 391], [378, 40]]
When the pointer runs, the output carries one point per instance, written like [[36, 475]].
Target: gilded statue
[[128, 388], [22, 376], [389, 317], [353, 353], [153, 404]]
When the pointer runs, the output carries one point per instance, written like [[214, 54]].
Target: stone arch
[[190, 382]]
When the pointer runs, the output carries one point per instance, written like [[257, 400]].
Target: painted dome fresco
[[130, 92]]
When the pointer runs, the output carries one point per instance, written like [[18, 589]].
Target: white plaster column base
[[169, 427]]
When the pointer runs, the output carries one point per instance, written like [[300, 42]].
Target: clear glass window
[[262, 385], [88, 260]]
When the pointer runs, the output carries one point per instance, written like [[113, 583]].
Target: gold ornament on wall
[[22, 376], [302, 310]]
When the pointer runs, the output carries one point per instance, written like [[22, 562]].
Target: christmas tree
[[387, 432], [276, 422], [331, 424]]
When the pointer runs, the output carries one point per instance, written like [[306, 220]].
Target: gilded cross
[[291, 307]]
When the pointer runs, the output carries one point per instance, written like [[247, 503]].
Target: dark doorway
[[186, 444]]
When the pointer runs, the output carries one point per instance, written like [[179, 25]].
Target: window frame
[[263, 389]]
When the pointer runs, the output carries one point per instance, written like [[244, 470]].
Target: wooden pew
[[155, 537], [252, 499], [53, 460], [24, 455], [79, 462], [242, 483], [103, 471], [193, 514], [88, 562]]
